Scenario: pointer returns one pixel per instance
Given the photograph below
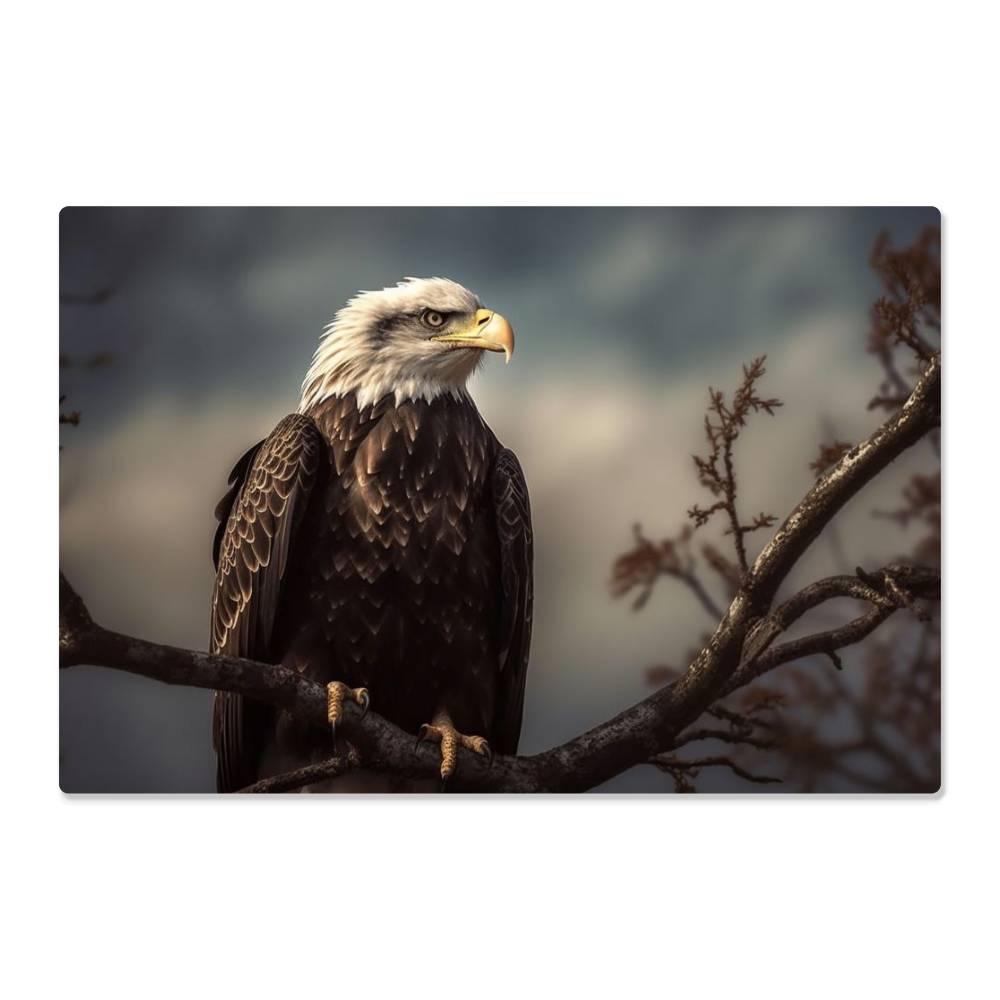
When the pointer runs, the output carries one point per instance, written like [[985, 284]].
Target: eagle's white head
[[420, 339]]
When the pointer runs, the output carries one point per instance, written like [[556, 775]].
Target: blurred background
[[184, 337]]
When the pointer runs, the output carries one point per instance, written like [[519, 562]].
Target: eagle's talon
[[479, 745], [443, 732], [336, 694]]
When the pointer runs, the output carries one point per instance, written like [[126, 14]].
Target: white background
[[508, 103]]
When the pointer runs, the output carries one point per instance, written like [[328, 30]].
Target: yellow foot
[[442, 731], [336, 695]]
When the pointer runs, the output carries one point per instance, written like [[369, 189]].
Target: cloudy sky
[[624, 317]]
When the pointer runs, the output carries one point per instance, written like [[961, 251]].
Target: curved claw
[[337, 692], [443, 732]]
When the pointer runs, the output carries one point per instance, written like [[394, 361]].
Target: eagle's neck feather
[[344, 365], [370, 394], [372, 388]]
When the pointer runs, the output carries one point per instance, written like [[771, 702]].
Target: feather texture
[[271, 485], [386, 545]]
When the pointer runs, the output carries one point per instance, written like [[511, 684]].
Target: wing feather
[[513, 521], [259, 516]]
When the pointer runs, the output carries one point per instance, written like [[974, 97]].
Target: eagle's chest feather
[[407, 485], [402, 557]]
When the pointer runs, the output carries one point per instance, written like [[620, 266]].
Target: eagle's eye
[[432, 318]]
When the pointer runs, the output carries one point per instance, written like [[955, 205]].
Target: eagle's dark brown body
[[387, 547]]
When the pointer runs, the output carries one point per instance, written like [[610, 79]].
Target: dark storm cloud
[[623, 318], [203, 297]]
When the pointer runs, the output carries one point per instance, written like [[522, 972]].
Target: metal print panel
[[317, 536]]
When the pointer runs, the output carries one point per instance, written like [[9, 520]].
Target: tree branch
[[919, 415], [724, 736], [682, 769], [898, 586], [722, 435], [642, 565], [326, 770]]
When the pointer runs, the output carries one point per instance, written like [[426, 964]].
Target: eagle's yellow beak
[[489, 332]]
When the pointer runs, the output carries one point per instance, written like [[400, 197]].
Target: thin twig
[[326, 770], [679, 765]]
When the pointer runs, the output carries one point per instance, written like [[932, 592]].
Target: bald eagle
[[379, 541]]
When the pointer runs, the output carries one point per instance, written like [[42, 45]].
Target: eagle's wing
[[269, 492], [513, 520]]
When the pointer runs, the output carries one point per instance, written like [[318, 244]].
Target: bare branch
[[646, 561], [920, 415], [882, 589], [716, 472], [326, 770], [724, 736], [912, 280], [681, 770]]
